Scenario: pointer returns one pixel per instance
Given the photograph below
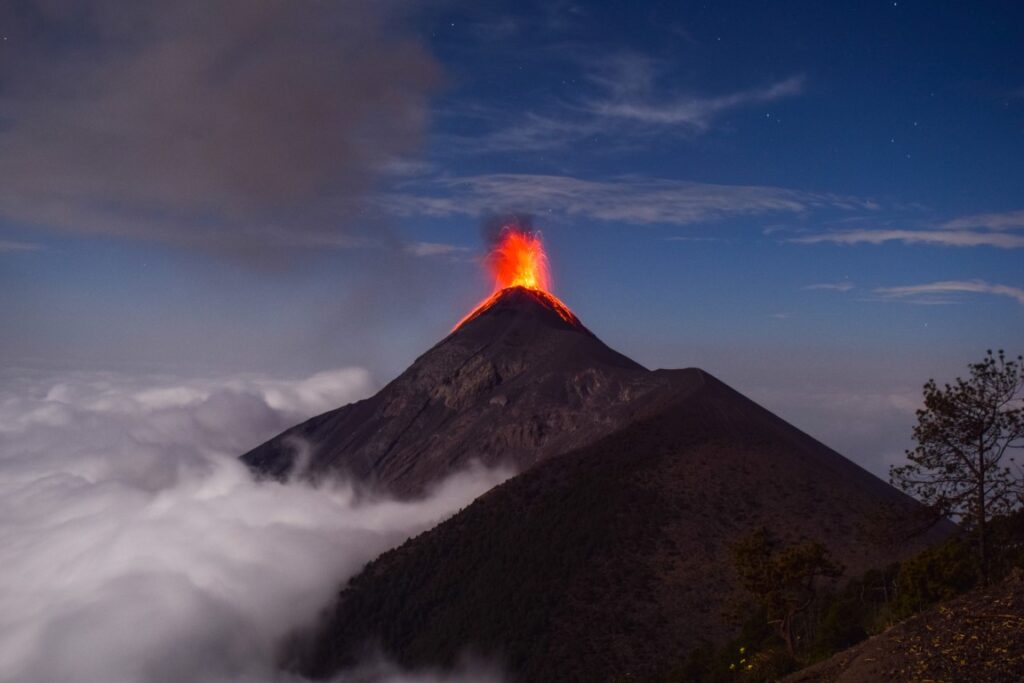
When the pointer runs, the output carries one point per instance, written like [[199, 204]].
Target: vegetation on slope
[[928, 631]]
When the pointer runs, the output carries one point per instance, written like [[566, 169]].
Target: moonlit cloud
[[631, 98], [979, 230], [135, 547], [1009, 220], [435, 249], [627, 199], [934, 291], [691, 238], [527, 132], [844, 286], [18, 246], [947, 238], [695, 112], [870, 424]]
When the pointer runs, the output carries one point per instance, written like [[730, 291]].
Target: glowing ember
[[518, 260]]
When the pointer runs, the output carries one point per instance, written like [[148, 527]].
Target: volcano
[[611, 561], [519, 381], [607, 557]]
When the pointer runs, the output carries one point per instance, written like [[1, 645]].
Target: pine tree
[[966, 433]]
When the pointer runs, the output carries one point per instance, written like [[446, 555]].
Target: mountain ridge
[[610, 560], [514, 384], [607, 556]]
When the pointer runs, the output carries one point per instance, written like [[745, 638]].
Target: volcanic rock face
[[515, 384], [610, 562]]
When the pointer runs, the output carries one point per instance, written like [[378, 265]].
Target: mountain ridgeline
[[608, 556], [513, 386]]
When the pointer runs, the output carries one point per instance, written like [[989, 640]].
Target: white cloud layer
[[134, 547]]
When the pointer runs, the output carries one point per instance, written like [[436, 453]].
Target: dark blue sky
[[821, 203]]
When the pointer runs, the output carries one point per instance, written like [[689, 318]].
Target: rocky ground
[[978, 637]]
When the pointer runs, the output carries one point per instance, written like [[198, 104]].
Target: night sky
[[821, 203]]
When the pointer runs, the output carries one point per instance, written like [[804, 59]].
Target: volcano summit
[[518, 380]]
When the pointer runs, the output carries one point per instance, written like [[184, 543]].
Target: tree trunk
[[787, 634], [982, 514]]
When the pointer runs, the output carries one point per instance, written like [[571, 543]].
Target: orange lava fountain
[[518, 260]]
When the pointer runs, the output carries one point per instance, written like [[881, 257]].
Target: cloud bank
[[135, 548], [220, 125]]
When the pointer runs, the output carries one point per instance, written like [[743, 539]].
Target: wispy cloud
[[626, 104], [19, 246], [426, 249], [976, 230], [628, 199], [695, 112], [531, 132], [937, 292], [949, 238], [687, 238], [1007, 220], [844, 286]]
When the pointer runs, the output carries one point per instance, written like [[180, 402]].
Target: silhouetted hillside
[[610, 561]]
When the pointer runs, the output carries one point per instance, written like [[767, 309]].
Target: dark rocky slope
[[610, 561], [515, 385]]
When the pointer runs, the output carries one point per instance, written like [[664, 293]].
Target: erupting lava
[[518, 260]]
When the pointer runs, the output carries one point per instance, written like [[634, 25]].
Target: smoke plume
[[493, 226], [237, 125]]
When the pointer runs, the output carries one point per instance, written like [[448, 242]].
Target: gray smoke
[[135, 548], [242, 126], [492, 226]]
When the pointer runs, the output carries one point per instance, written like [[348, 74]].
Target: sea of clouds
[[134, 546]]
